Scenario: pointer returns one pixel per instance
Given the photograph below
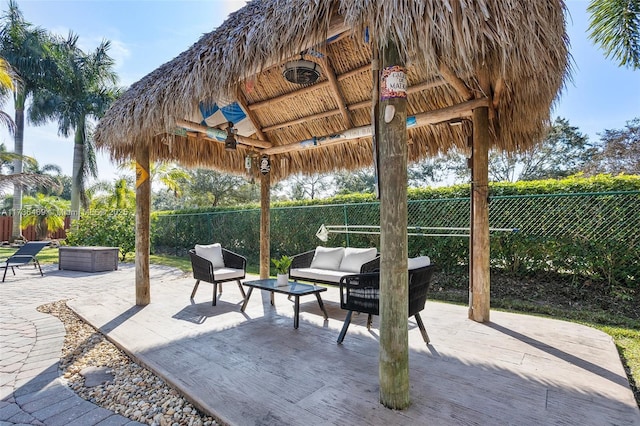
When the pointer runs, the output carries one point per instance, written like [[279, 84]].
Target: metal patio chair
[[25, 254]]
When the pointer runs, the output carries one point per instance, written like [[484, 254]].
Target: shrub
[[105, 228]]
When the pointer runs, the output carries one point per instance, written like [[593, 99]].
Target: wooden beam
[[196, 127], [337, 93], [143, 224], [459, 85], [242, 101], [479, 296], [364, 104], [394, 286], [462, 110]]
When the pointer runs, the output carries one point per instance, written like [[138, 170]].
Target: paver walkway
[[32, 391]]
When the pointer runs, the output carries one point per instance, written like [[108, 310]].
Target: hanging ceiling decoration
[[301, 71]]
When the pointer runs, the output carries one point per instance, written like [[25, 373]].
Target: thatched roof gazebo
[[320, 85]]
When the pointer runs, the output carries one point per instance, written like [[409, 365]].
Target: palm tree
[[615, 26], [45, 213], [84, 94], [52, 170], [6, 86], [26, 48], [117, 195]]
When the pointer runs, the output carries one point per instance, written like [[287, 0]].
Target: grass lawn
[[624, 331]]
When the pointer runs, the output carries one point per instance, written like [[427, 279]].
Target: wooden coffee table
[[293, 288]]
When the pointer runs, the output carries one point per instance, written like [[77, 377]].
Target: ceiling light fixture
[[301, 71]]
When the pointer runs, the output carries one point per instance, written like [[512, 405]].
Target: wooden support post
[[479, 296], [394, 340], [265, 225], [143, 214]]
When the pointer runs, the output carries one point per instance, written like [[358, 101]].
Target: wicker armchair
[[361, 293], [203, 270]]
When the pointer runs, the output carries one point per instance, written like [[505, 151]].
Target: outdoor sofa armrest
[[371, 266], [302, 260]]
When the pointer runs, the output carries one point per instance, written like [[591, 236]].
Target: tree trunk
[[18, 148], [265, 225], [479, 295], [394, 340], [76, 174], [143, 208]]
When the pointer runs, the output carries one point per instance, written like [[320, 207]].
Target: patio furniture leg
[[324, 311], [35, 261], [5, 272], [246, 300], [215, 290], [369, 322], [220, 291], [423, 330], [296, 312], [244, 296], [193, 293], [343, 332]]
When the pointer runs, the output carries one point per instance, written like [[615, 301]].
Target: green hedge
[[578, 234]]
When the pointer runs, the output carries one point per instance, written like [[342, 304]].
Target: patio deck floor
[[254, 368]]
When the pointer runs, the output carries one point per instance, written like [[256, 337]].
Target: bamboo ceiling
[[509, 55]]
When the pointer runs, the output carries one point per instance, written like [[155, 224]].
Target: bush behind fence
[[578, 236]]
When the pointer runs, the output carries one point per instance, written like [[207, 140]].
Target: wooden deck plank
[[255, 368]]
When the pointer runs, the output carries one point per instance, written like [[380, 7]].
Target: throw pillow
[[211, 252], [354, 258], [327, 258]]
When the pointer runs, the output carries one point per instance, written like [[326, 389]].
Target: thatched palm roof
[[512, 56]]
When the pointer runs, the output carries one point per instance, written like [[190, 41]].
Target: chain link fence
[[592, 235]]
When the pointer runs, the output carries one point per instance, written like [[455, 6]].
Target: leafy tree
[[103, 228], [45, 213], [361, 180], [615, 27], [563, 152], [308, 187], [209, 188], [84, 93], [619, 151], [28, 50]]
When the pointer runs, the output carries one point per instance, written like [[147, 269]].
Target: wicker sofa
[[327, 265]]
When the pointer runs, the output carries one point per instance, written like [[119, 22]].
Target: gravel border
[[135, 392]]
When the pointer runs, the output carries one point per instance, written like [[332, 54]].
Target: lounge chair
[[361, 293], [25, 254], [215, 265]]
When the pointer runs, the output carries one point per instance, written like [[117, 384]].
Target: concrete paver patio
[[255, 368]]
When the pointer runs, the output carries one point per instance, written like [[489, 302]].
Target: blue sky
[[147, 33]]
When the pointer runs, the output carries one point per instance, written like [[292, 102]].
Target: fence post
[[346, 223]]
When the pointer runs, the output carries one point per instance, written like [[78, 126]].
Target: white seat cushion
[[227, 273], [354, 258], [418, 262], [211, 252], [313, 274], [327, 258]]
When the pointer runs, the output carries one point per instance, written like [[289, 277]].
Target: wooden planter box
[[88, 259]]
